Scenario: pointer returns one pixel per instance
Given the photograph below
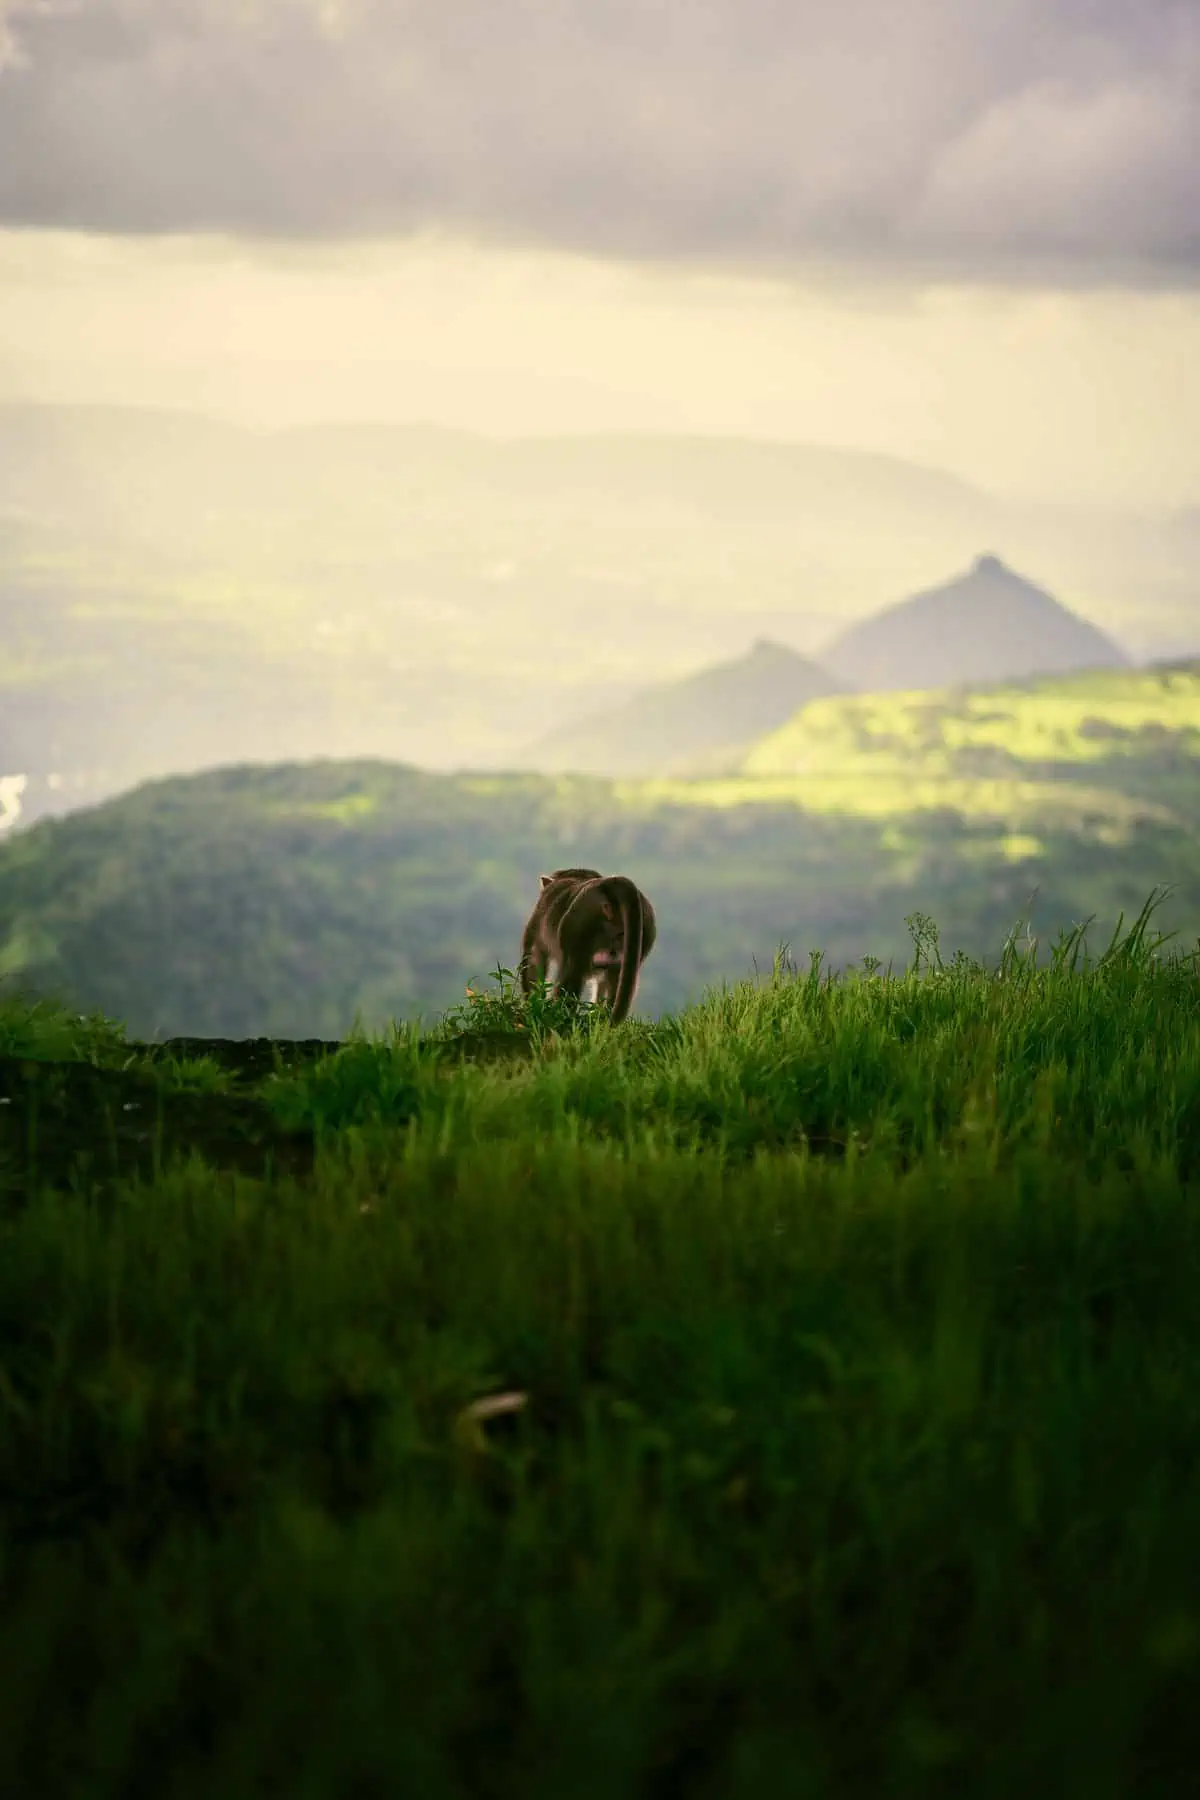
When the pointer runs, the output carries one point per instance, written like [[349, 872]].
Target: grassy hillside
[[290, 899], [1134, 733], [799, 1395]]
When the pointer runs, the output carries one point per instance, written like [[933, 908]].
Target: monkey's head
[[570, 875]]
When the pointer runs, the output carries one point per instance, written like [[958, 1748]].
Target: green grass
[[852, 1335]]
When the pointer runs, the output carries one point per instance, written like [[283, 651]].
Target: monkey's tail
[[625, 894]]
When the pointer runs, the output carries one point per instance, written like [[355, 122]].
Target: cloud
[[972, 140]]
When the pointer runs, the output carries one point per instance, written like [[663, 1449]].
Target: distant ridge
[[986, 626], [693, 725]]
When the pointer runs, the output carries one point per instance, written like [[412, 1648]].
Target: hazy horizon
[[1045, 395], [572, 432]]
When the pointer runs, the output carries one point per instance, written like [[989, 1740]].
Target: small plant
[[924, 934], [42, 1027], [506, 1009]]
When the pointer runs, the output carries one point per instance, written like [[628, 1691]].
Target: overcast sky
[[722, 213]]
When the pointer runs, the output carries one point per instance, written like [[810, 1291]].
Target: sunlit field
[[1097, 721]]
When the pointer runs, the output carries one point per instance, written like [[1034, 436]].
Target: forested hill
[[287, 899]]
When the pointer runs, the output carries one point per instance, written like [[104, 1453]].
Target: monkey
[[600, 957], [594, 928]]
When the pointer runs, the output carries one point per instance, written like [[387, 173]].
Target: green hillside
[[1133, 735], [292, 899], [797, 1397]]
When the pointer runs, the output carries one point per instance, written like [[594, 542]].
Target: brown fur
[[594, 927]]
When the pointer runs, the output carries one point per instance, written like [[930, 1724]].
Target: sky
[[967, 233]]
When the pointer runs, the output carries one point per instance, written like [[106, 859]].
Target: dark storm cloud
[[972, 136]]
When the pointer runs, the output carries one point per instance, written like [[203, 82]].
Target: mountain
[[179, 593], [697, 725], [985, 626]]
